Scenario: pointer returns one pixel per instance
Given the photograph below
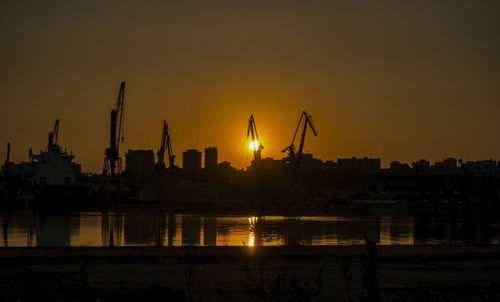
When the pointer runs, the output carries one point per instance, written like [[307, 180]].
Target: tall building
[[191, 160], [139, 162], [211, 158]]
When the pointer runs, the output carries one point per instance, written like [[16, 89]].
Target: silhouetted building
[[211, 158], [225, 172], [330, 165], [449, 163], [310, 163], [481, 167], [267, 163], [22, 169], [447, 166], [139, 162], [396, 165], [422, 164], [480, 164], [365, 165], [225, 165], [191, 160]]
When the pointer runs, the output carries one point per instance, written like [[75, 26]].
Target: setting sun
[[254, 145]]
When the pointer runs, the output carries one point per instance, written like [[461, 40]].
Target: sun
[[254, 146]]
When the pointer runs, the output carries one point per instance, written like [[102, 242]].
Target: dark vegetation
[[368, 273]]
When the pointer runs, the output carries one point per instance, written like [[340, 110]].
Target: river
[[30, 227]]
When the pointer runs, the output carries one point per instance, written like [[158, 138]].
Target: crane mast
[[252, 131], [165, 143], [112, 161], [7, 160], [462, 166], [294, 160], [161, 151], [170, 151], [54, 134]]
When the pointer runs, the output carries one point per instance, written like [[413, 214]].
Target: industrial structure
[[53, 166], [16, 170], [294, 159], [53, 135], [113, 161], [52, 172], [165, 143], [211, 158], [6, 169], [255, 144]]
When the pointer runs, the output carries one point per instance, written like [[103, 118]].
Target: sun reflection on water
[[251, 228], [127, 228]]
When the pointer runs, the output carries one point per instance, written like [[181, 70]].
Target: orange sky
[[392, 79]]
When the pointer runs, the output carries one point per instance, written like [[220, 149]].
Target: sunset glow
[[254, 145], [131, 152]]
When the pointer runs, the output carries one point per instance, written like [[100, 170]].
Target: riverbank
[[230, 253], [306, 273]]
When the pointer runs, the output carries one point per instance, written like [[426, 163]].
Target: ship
[[55, 175]]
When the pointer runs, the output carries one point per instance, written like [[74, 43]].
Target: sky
[[397, 80]]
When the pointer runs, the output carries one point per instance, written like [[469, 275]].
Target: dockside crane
[[165, 143], [113, 161], [54, 134], [294, 159], [6, 171], [255, 145], [462, 166]]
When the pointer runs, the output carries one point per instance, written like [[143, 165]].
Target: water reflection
[[54, 230], [171, 229], [210, 231], [254, 231], [111, 228], [28, 227], [191, 230]]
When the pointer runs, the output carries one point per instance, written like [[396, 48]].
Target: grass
[[360, 273], [385, 253]]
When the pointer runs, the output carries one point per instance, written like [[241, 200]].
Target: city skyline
[[401, 82]]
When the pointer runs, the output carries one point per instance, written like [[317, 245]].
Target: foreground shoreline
[[385, 252], [283, 273]]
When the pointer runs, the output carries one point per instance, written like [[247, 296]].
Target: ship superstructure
[[53, 166]]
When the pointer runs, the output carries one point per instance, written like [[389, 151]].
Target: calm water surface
[[29, 227]]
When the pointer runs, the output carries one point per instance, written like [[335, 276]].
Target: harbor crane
[[165, 143], [255, 144], [294, 159], [113, 161], [6, 171], [54, 134]]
